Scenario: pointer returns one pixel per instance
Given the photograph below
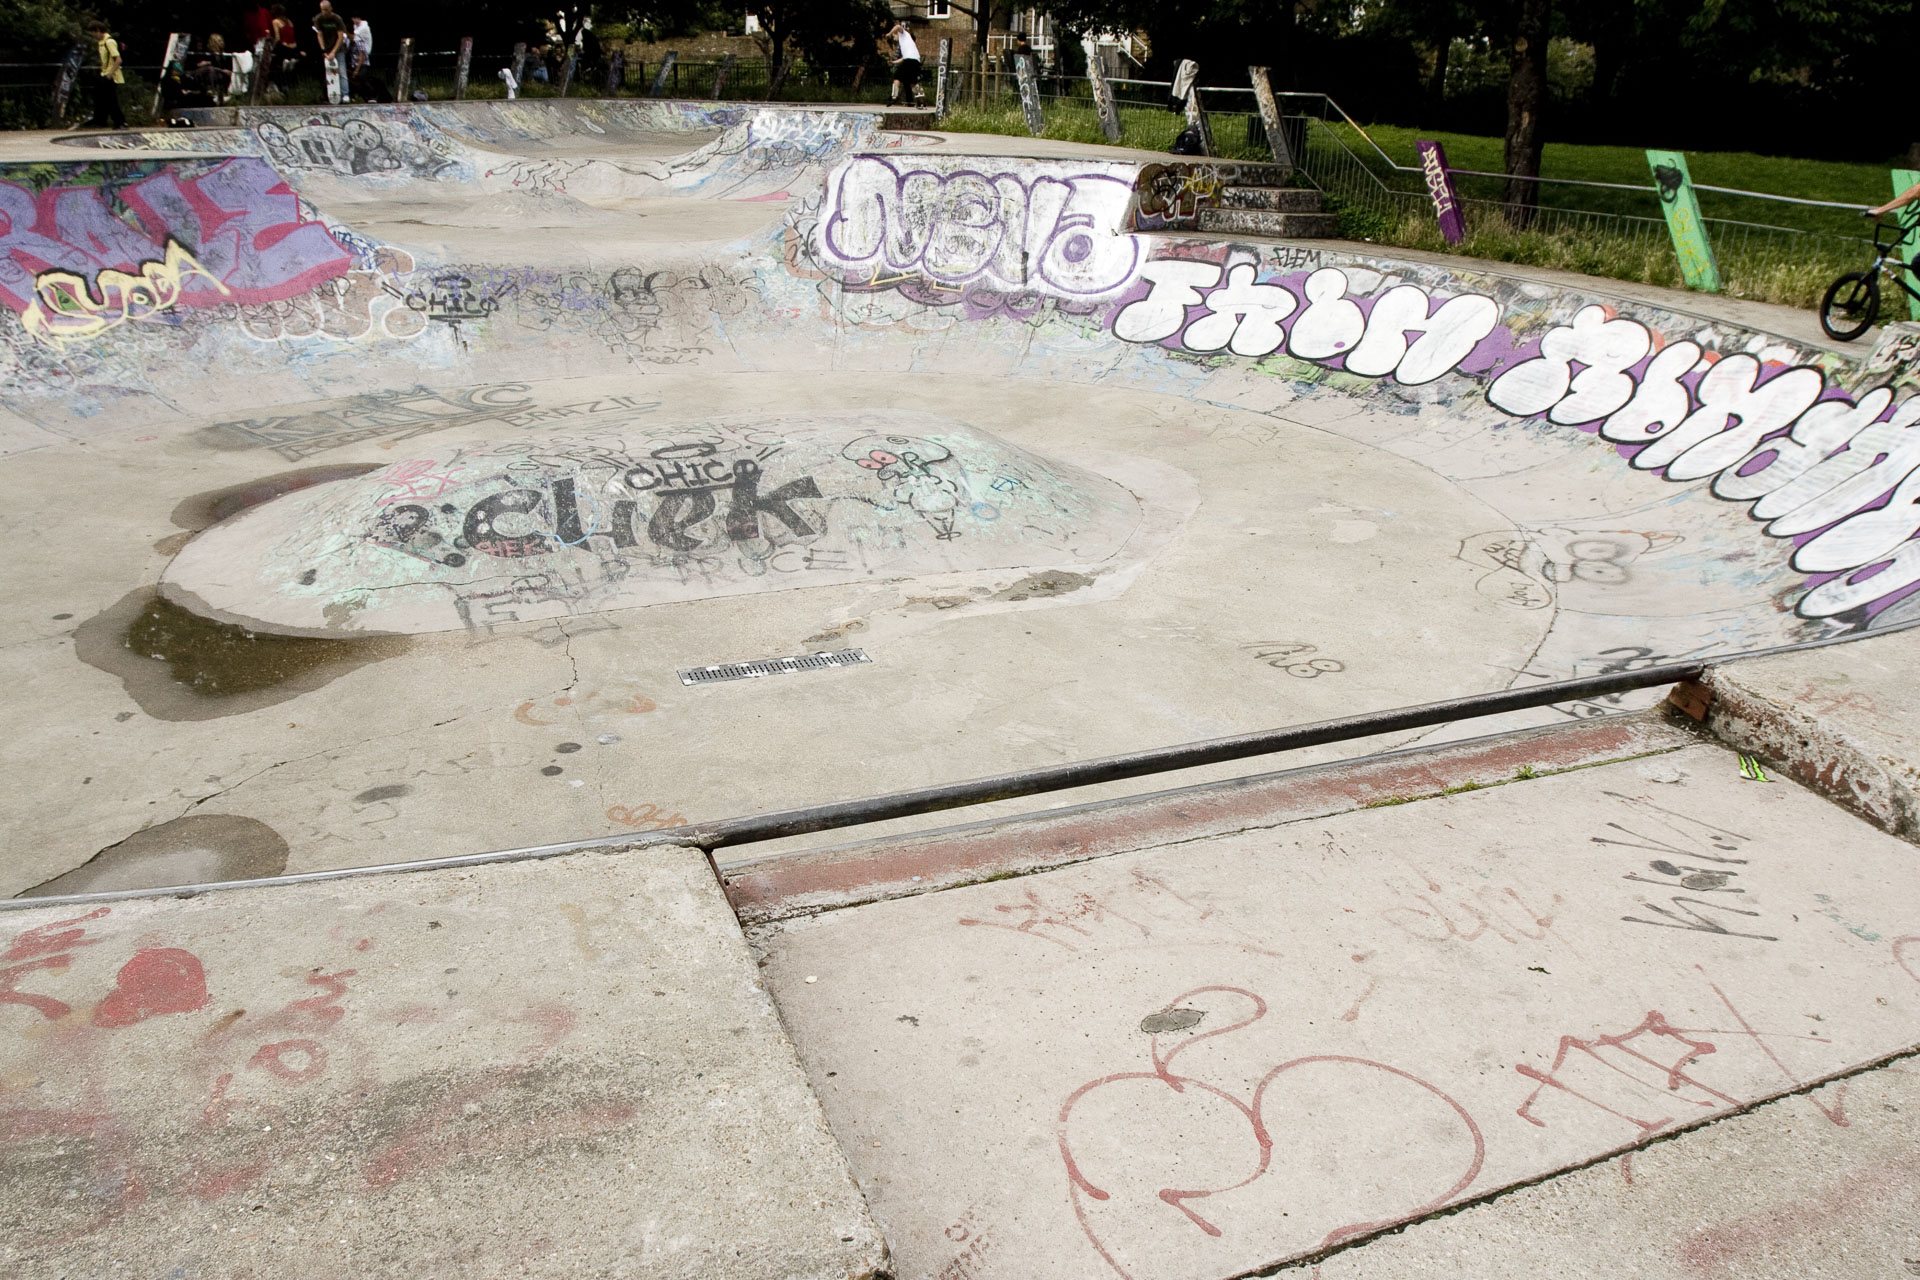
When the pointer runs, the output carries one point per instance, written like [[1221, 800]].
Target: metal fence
[[1772, 248], [27, 88]]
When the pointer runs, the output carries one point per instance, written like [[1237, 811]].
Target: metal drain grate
[[772, 667]]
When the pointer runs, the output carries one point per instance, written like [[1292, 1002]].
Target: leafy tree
[[821, 31]]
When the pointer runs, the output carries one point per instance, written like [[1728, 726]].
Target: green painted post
[[1902, 179], [1675, 187]]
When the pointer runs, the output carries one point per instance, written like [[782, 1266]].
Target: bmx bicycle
[[1852, 303]]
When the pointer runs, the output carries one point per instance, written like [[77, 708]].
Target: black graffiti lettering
[[1687, 918], [566, 513], [743, 519], [480, 533], [621, 526], [679, 511]]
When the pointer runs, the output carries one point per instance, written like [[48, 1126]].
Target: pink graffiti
[[239, 221], [1165, 1101]]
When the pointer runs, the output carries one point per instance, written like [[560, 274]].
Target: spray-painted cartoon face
[[894, 457], [907, 462]]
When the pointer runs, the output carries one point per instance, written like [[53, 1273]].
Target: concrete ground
[[1219, 1053], [564, 1068], [1580, 986]]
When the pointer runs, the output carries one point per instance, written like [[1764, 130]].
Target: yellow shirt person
[[109, 51], [106, 86]]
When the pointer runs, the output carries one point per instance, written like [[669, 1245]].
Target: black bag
[[1188, 143]]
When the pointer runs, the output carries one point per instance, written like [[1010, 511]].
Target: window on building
[[939, 9]]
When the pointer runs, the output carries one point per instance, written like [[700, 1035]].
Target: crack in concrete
[[311, 755], [1801, 1090]]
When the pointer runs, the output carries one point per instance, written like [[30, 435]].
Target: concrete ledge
[[876, 870], [1843, 719], [565, 1068]]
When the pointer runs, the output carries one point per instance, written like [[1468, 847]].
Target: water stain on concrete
[[1155, 1024], [179, 666], [204, 510], [200, 848], [1039, 586]]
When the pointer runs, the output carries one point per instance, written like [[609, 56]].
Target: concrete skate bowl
[[352, 500]]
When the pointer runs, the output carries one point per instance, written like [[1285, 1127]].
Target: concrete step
[[1269, 222], [1277, 199]]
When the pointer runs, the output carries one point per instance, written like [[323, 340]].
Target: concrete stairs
[[1292, 212]]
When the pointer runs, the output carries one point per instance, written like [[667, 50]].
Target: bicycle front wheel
[[1851, 306]]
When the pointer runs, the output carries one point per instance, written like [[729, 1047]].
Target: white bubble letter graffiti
[[1330, 324], [1733, 414], [1159, 315], [1446, 338], [1242, 316]]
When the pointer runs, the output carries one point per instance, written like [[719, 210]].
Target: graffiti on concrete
[[359, 144], [1247, 317], [65, 308], [618, 516], [1837, 475], [955, 225], [1833, 474], [1129, 1193], [247, 1089], [386, 415], [77, 261], [1171, 195], [354, 305]]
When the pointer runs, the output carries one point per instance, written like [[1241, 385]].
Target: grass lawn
[[1856, 184], [1769, 266]]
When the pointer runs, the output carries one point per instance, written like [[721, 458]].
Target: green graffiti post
[[1675, 187], [1902, 179]]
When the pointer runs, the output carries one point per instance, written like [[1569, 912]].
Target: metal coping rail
[[708, 836]]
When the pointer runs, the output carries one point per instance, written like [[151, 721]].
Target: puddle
[[197, 849], [204, 510], [179, 666]]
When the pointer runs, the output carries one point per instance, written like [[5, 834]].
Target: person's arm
[[1900, 201], [111, 67]]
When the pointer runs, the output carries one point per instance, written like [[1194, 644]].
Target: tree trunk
[[1526, 104], [1437, 91]]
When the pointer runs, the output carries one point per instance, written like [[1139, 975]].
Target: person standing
[[362, 45], [906, 71], [284, 57], [331, 31], [106, 88]]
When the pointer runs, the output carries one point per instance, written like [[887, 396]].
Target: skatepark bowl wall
[[395, 484], [383, 466]]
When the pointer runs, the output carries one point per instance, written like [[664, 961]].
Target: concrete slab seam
[[1679, 1131], [1040, 867]]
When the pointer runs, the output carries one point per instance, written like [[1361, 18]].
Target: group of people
[[344, 44], [210, 74]]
